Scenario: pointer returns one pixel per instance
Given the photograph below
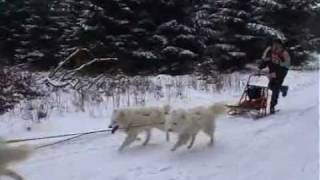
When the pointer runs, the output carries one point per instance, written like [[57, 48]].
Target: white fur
[[187, 123], [9, 155], [136, 120]]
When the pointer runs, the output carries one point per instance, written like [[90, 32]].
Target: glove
[[263, 64], [272, 75]]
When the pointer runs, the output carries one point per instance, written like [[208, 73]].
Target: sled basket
[[254, 98]]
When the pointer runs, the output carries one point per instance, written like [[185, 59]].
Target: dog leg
[[12, 174], [193, 137], [210, 133], [148, 134], [129, 139], [167, 136], [183, 139]]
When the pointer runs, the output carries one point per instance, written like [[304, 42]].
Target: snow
[[244, 37], [187, 53], [162, 39], [226, 47], [282, 146], [144, 54], [224, 18], [237, 54], [171, 50], [268, 3], [260, 28], [314, 62], [36, 53], [174, 26]]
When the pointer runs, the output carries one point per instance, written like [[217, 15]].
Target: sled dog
[[136, 120], [9, 155], [187, 123]]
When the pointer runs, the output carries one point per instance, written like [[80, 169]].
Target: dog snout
[[170, 130]]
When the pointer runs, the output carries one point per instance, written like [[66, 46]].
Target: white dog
[[136, 120], [9, 155], [187, 123]]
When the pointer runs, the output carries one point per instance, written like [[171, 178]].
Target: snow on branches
[[271, 4], [60, 77], [266, 30], [15, 86]]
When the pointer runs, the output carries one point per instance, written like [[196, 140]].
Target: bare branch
[[94, 61], [61, 64], [60, 79]]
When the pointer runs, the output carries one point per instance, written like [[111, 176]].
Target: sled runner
[[254, 99]]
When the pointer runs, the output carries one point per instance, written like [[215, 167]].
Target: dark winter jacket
[[277, 63]]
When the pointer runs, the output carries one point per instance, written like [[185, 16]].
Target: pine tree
[[292, 19], [151, 36]]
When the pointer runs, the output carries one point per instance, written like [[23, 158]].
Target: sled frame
[[260, 109]]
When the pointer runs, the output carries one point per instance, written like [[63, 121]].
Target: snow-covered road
[[279, 147]]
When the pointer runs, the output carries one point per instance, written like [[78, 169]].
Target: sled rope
[[58, 142], [76, 135], [56, 136], [83, 134]]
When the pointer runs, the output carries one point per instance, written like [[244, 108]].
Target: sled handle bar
[[256, 75], [259, 74]]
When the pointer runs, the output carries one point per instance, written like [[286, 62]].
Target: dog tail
[[218, 108], [14, 154]]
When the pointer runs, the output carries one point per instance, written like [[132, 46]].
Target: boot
[[284, 90], [272, 110]]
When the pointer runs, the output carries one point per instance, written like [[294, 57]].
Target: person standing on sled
[[278, 60]]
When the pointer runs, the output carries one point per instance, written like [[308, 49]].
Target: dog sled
[[254, 101]]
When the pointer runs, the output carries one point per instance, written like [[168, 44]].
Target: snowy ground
[[279, 147]]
